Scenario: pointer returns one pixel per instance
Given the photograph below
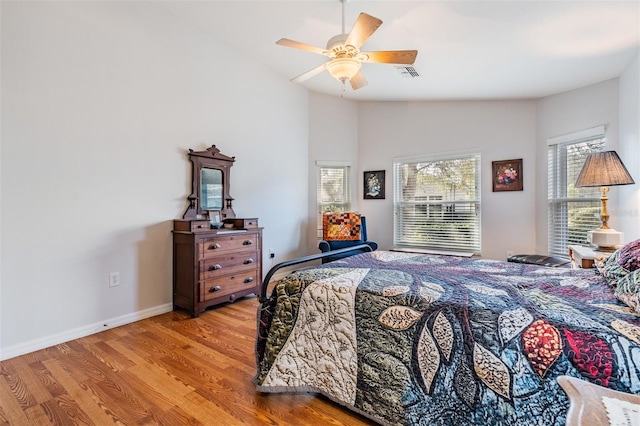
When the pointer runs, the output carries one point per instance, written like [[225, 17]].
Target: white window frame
[[339, 202], [430, 221], [571, 211]]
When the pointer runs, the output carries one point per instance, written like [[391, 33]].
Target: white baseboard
[[56, 339]]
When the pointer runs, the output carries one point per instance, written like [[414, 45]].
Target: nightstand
[[585, 257]]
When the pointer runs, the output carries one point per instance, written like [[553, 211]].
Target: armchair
[[342, 230]]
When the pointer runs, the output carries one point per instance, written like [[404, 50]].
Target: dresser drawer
[[238, 242], [223, 286], [227, 264], [191, 225], [242, 223]]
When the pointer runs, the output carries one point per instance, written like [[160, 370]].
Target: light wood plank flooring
[[167, 370]]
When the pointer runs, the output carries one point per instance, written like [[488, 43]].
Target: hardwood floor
[[167, 370]]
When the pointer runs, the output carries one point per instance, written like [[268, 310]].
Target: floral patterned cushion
[[628, 290], [610, 268], [630, 256]]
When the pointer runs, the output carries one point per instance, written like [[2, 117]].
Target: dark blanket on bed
[[418, 339]]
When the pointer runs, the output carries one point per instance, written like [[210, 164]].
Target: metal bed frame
[[265, 283]]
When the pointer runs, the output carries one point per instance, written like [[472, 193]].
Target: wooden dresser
[[213, 266]]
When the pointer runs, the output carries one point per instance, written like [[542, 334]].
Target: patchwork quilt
[[412, 339], [341, 226]]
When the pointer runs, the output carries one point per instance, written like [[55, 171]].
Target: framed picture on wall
[[507, 175], [374, 185]]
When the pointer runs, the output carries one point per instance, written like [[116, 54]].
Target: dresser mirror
[[211, 189], [211, 175]]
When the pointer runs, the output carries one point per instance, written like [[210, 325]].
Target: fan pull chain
[[343, 32]]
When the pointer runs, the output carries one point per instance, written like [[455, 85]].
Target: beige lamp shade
[[604, 169]]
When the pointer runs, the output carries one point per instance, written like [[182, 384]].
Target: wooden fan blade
[[363, 28], [307, 75], [405, 57], [303, 46], [358, 81]]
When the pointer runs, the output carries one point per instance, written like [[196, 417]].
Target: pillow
[[341, 226], [610, 268], [628, 290], [630, 256]]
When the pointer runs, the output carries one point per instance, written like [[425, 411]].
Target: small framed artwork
[[214, 219], [507, 175], [374, 185]]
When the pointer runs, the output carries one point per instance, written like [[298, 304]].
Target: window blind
[[572, 211], [333, 190], [437, 203]]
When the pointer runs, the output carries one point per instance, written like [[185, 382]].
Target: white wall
[[100, 102], [567, 113], [499, 130], [628, 210], [333, 136], [513, 221]]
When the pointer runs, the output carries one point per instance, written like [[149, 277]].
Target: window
[[436, 203], [334, 189], [572, 211]]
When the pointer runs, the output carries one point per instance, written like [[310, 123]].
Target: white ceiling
[[466, 49]]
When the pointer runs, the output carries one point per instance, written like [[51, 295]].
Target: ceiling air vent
[[407, 71]]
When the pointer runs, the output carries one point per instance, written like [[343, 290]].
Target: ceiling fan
[[344, 52]]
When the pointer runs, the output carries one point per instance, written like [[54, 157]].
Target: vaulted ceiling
[[467, 49]]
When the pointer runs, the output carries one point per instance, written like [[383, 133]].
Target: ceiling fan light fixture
[[343, 51], [343, 69]]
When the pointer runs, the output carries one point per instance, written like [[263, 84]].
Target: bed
[[417, 339]]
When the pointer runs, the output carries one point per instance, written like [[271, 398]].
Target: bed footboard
[[272, 271]]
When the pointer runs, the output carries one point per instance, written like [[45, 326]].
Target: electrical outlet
[[114, 279], [271, 254]]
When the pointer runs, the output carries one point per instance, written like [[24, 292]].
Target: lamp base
[[605, 239]]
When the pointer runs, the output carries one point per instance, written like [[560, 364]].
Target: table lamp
[[604, 169]]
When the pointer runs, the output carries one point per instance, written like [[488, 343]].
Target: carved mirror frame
[[211, 158]]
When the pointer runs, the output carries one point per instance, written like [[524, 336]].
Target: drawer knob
[[214, 246], [214, 289], [215, 267], [247, 242], [248, 279], [249, 261]]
